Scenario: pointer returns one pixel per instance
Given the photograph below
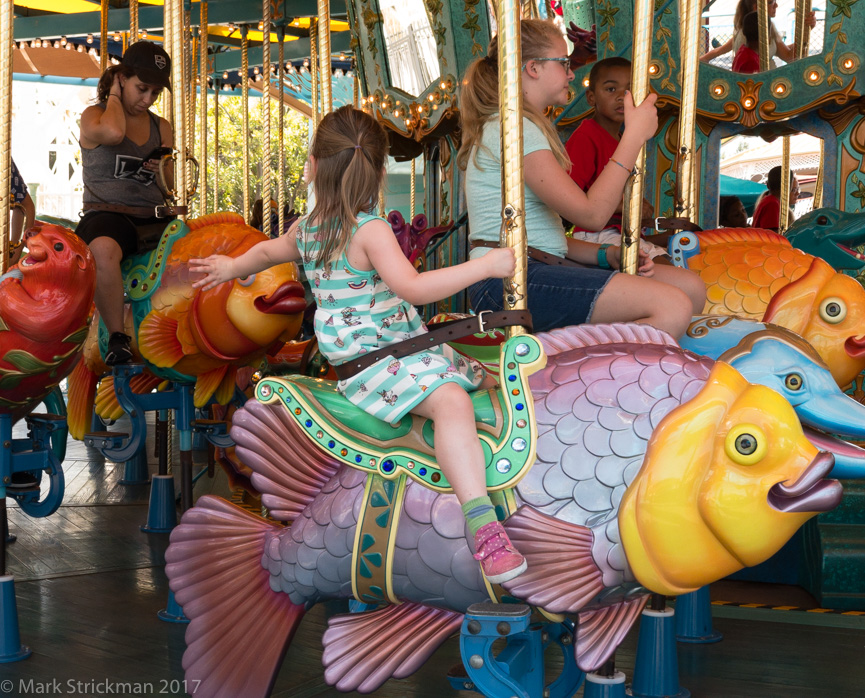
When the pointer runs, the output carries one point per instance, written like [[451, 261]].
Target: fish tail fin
[[214, 567], [79, 401], [579, 336], [288, 469]]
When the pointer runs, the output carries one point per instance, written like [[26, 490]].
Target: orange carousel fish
[[45, 302], [757, 274], [198, 336]]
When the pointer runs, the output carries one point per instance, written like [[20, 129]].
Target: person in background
[[22, 216], [747, 58], [732, 213], [768, 211]]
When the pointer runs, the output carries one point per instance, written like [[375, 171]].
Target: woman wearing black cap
[[123, 204]]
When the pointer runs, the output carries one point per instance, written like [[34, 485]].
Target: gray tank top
[[115, 174]]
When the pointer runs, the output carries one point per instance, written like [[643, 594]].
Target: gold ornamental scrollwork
[[748, 101], [702, 324]]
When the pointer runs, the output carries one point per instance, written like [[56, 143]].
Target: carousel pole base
[[172, 613], [11, 649], [162, 511], [135, 470], [598, 686], [694, 618], [656, 672]]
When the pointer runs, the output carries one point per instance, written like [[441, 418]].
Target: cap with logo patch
[[150, 63]]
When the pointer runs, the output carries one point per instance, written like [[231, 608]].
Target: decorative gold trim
[[719, 89], [781, 88], [848, 63], [768, 113], [656, 69], [814, 74]]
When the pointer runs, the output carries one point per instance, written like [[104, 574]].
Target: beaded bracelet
[[630, 172]]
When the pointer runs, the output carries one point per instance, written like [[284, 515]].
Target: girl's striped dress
[[357, 313]]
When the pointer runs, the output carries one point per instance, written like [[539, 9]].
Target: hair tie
[[357, 147]]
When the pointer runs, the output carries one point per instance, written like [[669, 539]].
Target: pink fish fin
[[600, 632], [158, 341], [289, 470], [213, 219], [562, 576], [574, 337], [225, 390], [363, 650], [214, 569], [726, 235], [79, 402], [208, 383]]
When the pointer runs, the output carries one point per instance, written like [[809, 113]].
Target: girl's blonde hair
[[479, 98], [349, 148]]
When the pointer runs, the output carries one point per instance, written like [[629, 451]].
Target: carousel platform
[[89, 585]]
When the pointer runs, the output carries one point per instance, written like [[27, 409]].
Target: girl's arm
[[104, 126], [586, 253], [374, 246], [591, 210], [267, 253], [719, 51]]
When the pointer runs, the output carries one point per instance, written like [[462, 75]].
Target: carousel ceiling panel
[[59, 6], [57, 62]]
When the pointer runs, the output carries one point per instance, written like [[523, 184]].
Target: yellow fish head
[[727, 479], [267, 305], [827, 309]]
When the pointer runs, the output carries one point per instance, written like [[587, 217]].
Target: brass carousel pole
[[324, 55], [280, 186], [133, 22], [266, 181], [763, 26], [511, 134], [202, 114], [7, 17], [313, 71], [174, 8], [103, 36], [166, 99], [633, 210], [217, 88], [687, 197], [190, 66], [412, 184], [244, 92]]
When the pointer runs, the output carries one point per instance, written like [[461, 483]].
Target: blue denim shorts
[[558, 296]]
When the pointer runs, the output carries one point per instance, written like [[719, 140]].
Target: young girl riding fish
[[366, 291]]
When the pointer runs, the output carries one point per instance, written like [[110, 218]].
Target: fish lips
[[288, 299], [811, 492], [855, 347]]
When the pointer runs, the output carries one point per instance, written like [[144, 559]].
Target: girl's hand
[[501, 262], [642, 121], [646, 267], [811, 19], [216, 269], [116, 85]]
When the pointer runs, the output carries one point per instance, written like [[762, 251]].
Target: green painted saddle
[[505, 423]]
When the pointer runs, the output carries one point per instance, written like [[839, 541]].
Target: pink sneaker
[[500, 561]]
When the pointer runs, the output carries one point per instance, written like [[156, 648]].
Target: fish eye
[[247, 280], [833, 310], [822, 220], [746, 444], [58, 246], [794, 382]]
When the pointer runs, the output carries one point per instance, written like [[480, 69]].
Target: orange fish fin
[[207, 384], [213, 219], [562, 576], [158, 341], [225, 390], [790, 307], [357, 646], [219, 547], [106, 404], [601, 632], [718, 237], [79, 401]]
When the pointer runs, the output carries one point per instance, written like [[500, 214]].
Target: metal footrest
[[214, 430], [101, 440]]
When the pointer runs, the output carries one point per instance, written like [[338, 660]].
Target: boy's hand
[[501, 262], [216, 269], [642, 120]]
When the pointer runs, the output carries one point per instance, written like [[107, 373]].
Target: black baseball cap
[[149, 62]]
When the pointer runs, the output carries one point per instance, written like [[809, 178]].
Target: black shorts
[[134, 235]]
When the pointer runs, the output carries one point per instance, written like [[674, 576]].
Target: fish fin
[[600, 632], [207, 384], [562, 576], [106, 403], [158, 341], [566, 338], [214, 568], [288, 469], [213, 219], [225, 389], [79, 400], [788, 306], [727, 235], [363, 650]]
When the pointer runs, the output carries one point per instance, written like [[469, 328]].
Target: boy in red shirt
[[747, 60], [768, 212]]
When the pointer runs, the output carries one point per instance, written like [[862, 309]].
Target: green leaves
[[842, 7]]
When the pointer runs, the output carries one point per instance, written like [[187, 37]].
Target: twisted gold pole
[[280, 185], [166, 99], [818, 185], [244, 92], [687, 199], [313, 71], [133, 22], [784, 213], [202, 115], [511, 135], [217, 88], [174, 8], [412, 184], [266, 183], [803, 31], [103, 36], [324, 55], [7, 18], [633, 209], [190, 66], [763, 25]]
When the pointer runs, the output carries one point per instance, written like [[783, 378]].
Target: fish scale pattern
[[596, 408]]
